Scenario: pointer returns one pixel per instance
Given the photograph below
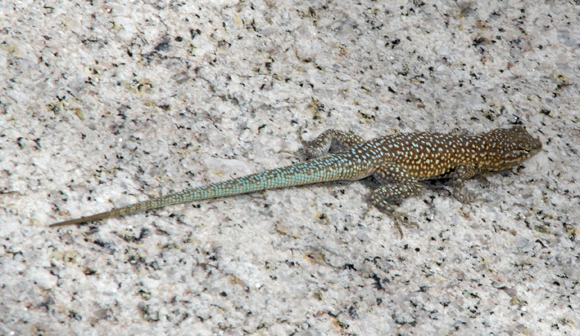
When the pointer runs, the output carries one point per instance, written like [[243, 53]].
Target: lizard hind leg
[[380, 198], [322, 144], [404, 186]]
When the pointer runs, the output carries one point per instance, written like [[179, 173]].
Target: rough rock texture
[[104, 104]]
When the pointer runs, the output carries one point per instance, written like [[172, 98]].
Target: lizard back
[[427, 155]]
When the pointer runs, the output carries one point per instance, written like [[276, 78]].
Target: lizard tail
[[318, 170], [176, 198]]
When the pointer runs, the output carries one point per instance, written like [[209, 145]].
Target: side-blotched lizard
[[403, 159]]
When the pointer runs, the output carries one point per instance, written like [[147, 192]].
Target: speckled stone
[[106, 104]]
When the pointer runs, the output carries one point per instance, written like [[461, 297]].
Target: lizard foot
[[468, 197], [398, 217]]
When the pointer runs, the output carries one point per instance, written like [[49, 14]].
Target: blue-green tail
[[331, 168]]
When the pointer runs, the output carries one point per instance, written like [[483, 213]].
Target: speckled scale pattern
[[403, 159]]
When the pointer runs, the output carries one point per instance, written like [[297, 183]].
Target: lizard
[[398, 162]]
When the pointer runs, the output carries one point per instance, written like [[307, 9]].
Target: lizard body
[[403, 159]]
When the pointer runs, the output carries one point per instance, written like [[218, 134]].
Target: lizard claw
[[369, 208], [398, 218], [300, 129]]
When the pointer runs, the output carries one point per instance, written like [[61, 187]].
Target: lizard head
[[514, 145]]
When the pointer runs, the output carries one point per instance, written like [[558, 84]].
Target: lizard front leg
[[462, 173]]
